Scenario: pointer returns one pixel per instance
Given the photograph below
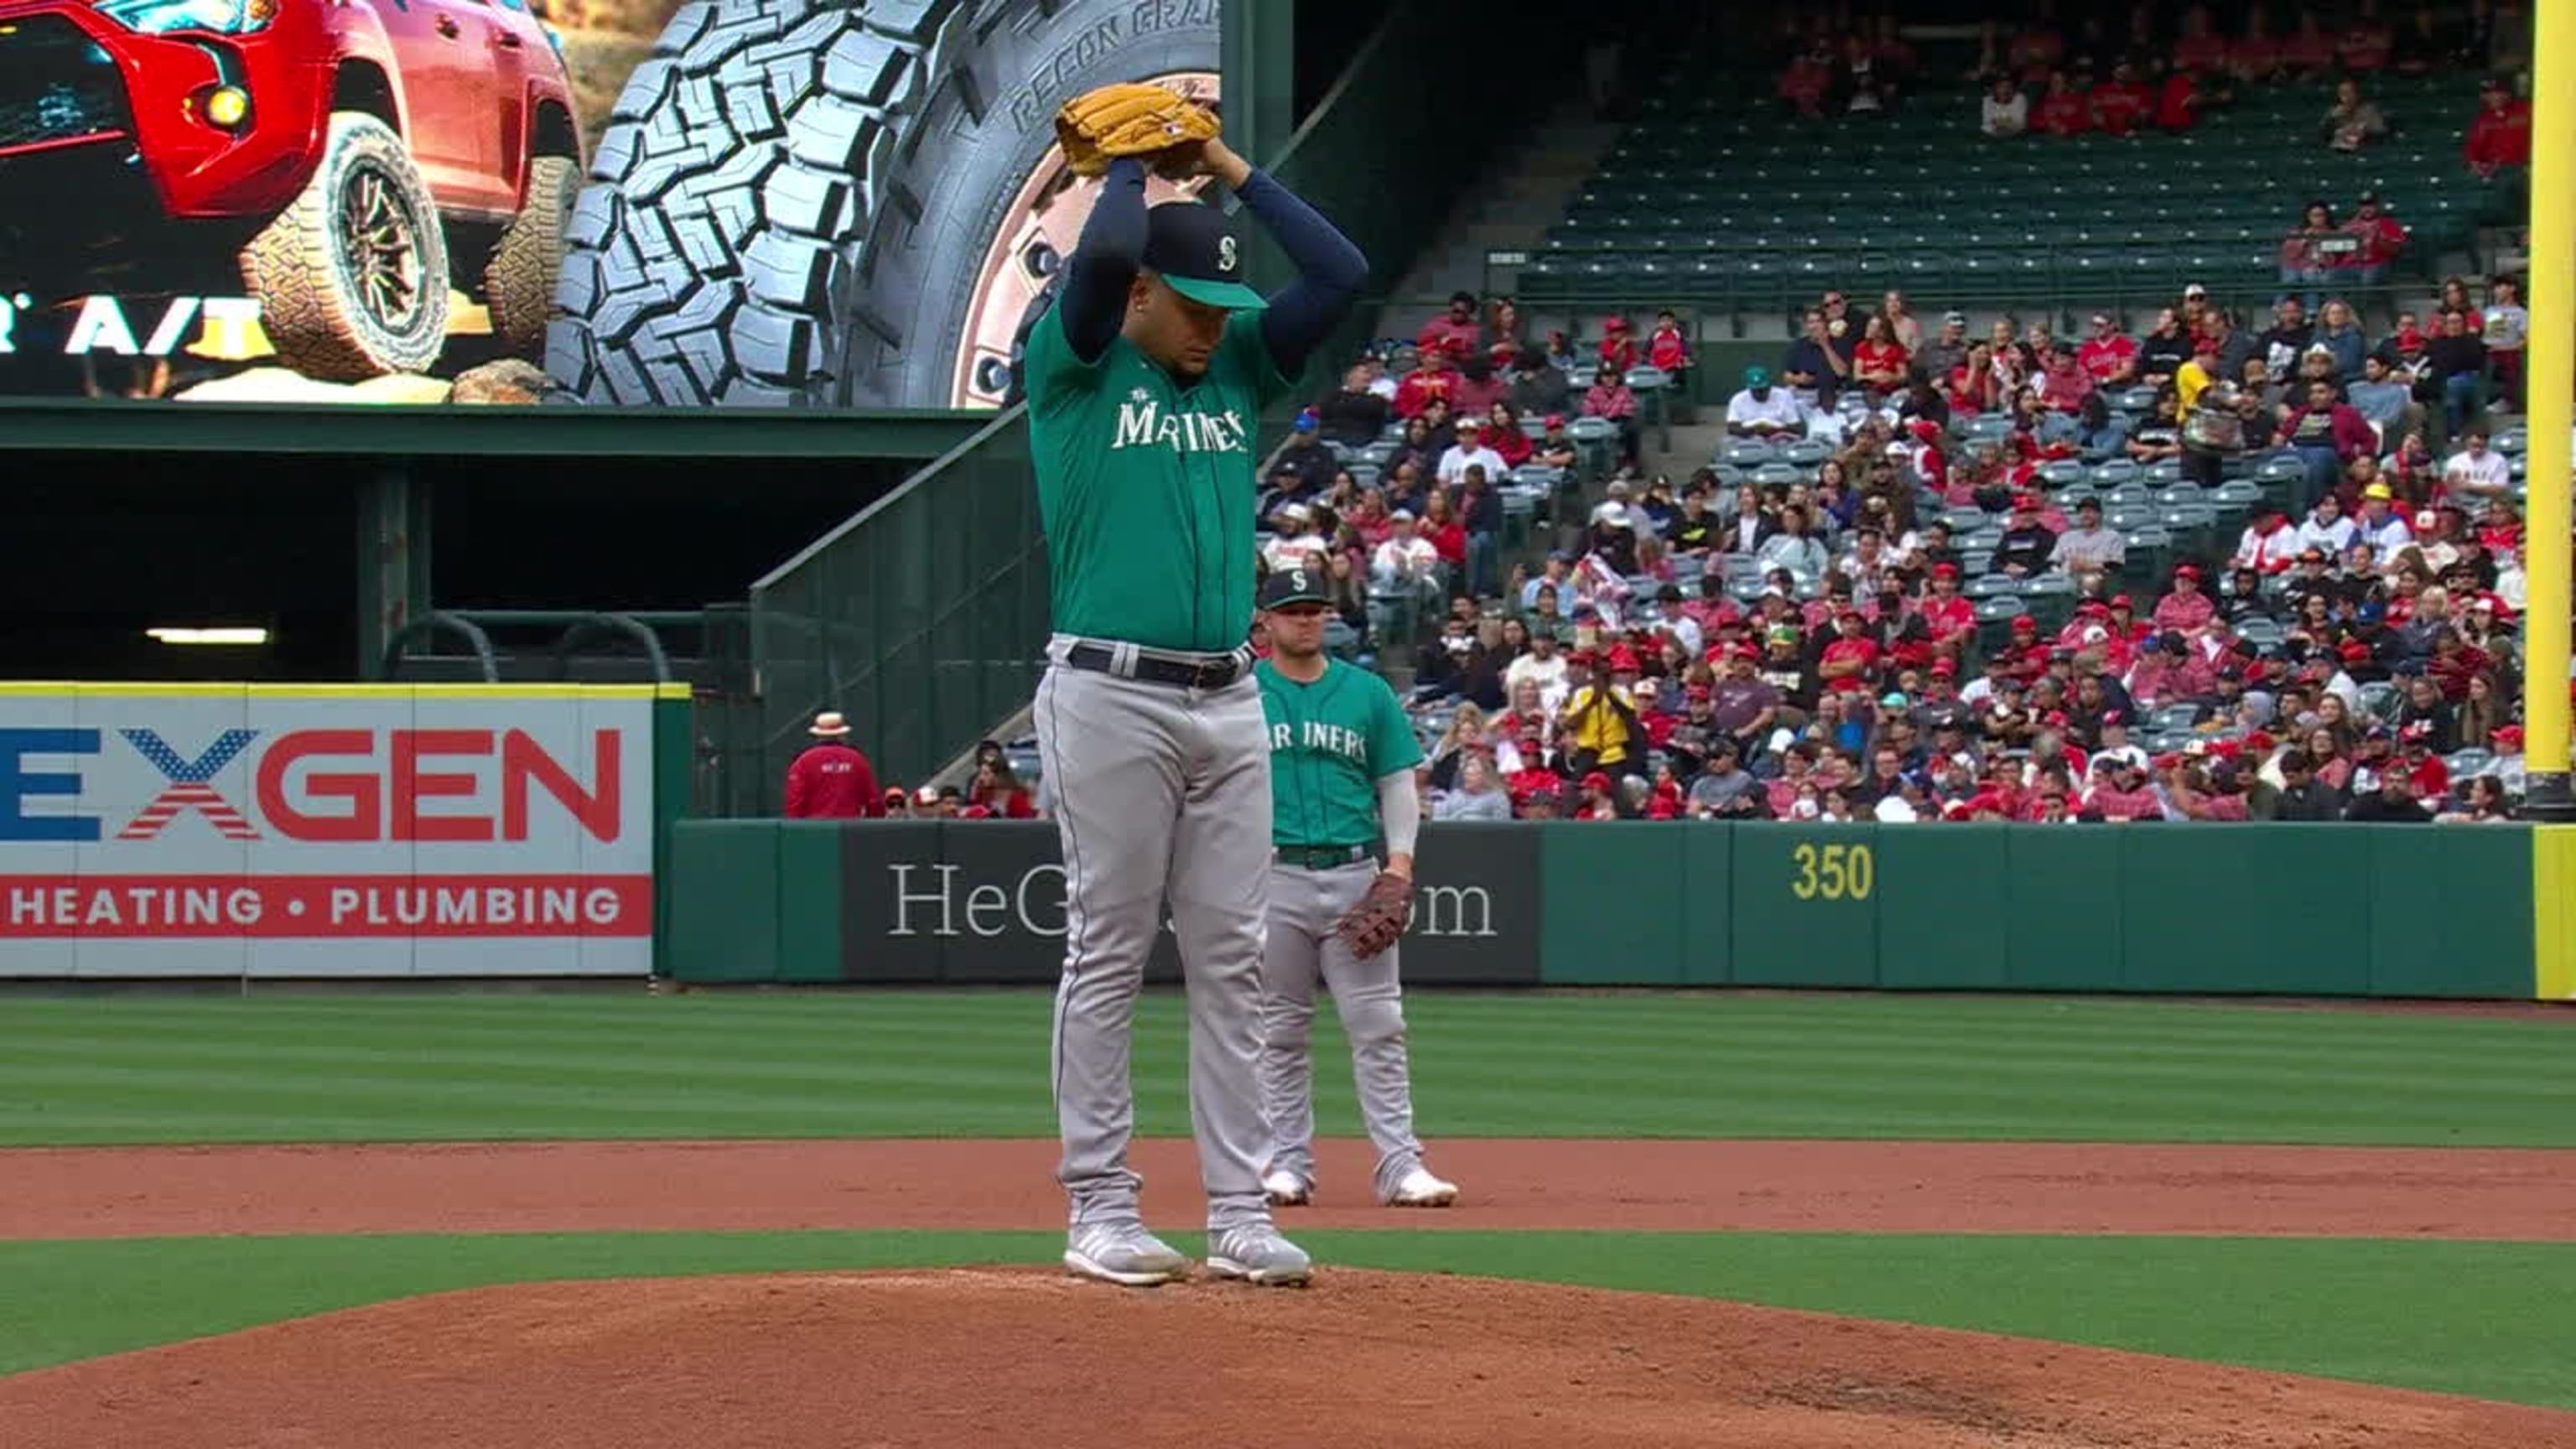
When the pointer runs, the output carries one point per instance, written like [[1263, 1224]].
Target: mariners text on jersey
[[1331, 739], [1142, 423]]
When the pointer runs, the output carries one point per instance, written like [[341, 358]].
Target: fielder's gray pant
[[1304, 904], [1160, 793]]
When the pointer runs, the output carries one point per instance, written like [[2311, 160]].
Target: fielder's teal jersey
[[1146, 489], [1330, 743]]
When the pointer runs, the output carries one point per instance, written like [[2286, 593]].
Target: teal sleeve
[[1249, 358], [1392, 745], [1051, 367]]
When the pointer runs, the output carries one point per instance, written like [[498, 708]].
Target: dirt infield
[[1809, 1186], [943, 1360]]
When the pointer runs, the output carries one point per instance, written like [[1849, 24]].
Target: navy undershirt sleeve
[[1330, 272], [1105, 262]]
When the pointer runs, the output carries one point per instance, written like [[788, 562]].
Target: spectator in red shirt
[[2178, 103], [1848, 661], [1431, 378], [1879, 361], [831, 779], [2064, 111], [2065, 385], [1503, 434], [1453, 331], [997, 791], [1441, 525], [2500, 137], [1804, 84], [1618, 349], [2120, 104], [2108, 357], [2381, 238], [1667, 348], [2185, 609], [1950, 615]]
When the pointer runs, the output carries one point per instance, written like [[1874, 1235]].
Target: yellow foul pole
[[2551, 393]]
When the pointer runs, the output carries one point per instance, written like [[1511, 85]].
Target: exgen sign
[[187, 831]]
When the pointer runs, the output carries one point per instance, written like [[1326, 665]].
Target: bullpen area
[[805, 1218]]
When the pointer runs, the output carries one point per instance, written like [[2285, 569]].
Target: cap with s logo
[[1193, 246], [1293, 586]]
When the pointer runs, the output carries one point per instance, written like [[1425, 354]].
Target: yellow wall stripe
[[2553, 912]]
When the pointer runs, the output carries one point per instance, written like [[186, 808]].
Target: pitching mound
[[929, 1360]]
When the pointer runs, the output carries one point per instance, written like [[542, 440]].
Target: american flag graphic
[[188, 788]]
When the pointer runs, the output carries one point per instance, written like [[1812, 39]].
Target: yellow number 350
[[1835, 872]]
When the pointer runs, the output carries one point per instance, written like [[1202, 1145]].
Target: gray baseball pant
[[1304, 904], [1160, 793]]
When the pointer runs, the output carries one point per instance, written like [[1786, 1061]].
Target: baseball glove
[[1101, 125], [1374, 924]]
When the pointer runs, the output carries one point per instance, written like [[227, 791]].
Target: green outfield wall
[[2322, 910]]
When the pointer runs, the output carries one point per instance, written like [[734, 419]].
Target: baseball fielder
[[1145, 380], [1341, 773]]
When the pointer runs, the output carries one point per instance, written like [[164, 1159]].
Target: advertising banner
[[983, 903], [729, 203], [367, 831]]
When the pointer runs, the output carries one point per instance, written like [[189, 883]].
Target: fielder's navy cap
[[1195, 248], [1293, 586]]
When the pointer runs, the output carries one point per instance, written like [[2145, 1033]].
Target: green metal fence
[[922, 618]]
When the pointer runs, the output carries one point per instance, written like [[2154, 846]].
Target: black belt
[[1320, 857], [1181, 671]]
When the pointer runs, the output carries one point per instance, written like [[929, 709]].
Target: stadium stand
[[2210, 520]]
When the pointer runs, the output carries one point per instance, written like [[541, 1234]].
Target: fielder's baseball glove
[[1379, 918], [1101, 125]]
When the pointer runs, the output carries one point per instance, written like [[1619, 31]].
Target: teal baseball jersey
[[1330, 743], [1146, 489]]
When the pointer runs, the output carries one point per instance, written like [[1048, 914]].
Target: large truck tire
[[352, 277], [819, 204]]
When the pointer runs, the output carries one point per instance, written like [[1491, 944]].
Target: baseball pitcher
[[1342, 756], [1145, 381]]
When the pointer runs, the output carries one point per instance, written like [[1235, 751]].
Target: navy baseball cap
[[1192, 246], [1293, 586]]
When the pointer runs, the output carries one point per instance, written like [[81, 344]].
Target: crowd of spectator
[[2163, 67], [2352, 648]]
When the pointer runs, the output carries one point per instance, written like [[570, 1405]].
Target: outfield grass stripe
[[2316, 1069], [281, 1067]]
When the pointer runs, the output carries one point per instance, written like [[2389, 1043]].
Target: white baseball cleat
[[1124, 1254], [1287, 1189], [1257, 1254], [1420, 1189]]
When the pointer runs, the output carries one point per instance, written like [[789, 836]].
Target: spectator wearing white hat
[[1406, 563], [1296, 539], [1470, 450], [831, 779]]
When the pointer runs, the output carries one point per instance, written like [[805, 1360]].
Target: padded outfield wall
[[2312, 910]]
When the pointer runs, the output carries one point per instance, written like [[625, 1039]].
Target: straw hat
[[829, 725]]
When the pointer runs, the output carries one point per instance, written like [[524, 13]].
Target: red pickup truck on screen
[[345, 161]]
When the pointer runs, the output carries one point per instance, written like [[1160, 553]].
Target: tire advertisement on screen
[[603, 203]]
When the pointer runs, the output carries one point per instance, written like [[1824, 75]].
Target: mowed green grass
[[284, 1066], [2484, 1319]]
